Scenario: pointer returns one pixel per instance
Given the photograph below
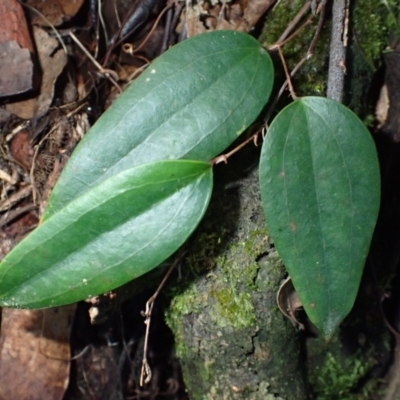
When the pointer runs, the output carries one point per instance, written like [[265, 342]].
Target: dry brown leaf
[[240, 15], [16, 67], [13, 25], [253, 11], [288, 301], [34, 353], [55, 11], [52, 62]]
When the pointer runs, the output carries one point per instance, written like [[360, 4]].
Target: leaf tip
[[330, 326]]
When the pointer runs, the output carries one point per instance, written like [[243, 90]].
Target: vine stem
[[146, 374], [337, 52]]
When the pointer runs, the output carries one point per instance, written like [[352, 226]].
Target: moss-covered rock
[[232, 340]]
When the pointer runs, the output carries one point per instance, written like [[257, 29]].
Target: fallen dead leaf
[[52, 62], [239, 15], [35, 353], [16, 49], [55, 11], [288, 302], [254, 10], [21, 148]]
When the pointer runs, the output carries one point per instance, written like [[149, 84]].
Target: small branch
[[337, 52], [288, 80], [146, 374], [310, 51], [141, 45], [224, 157], [321, 9], [111, 75], [282, 89], [294, 22], [293, 35]]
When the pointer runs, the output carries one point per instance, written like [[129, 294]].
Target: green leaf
[[320, 189], [192, 102], [117, 231]]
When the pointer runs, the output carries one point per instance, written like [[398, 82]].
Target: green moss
[[239, 270], [372, 25], [334, 374], [338, 378], [234, 307], [256, 243], [202, 256], [311, 78], [228, 296], [373, 22]]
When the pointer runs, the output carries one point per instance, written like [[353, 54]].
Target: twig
[[167, 30], [141, 45], [178, 10], [145, 373], [294, 22], [309, 54], [288, 80], [81, 353], [321, 9], [293, 35], [15, 198], [109, 74], [113, 42], [337, 52], [282, 89], [224, 157], [50, 24], [5, 176], [137, 72], [4, 220], [103, 25]]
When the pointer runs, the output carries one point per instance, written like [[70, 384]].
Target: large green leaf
[[320, 189], [192, 102], [113, 233]]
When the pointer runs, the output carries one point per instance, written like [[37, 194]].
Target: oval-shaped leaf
[[192, 102], [117, 231], [320, 189]]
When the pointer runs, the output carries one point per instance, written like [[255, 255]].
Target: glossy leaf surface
[[192, 102], [320, 189], [112, 234]]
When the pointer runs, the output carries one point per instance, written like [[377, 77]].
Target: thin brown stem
[[321, 9], [292, 36], [145, 373], [141, 45], [111, 75], [294, 22], [282, 89], [224, 157], [288, 80]]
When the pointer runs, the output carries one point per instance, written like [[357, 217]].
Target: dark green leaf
[[113, 233], [192, 102], [320, 189]]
